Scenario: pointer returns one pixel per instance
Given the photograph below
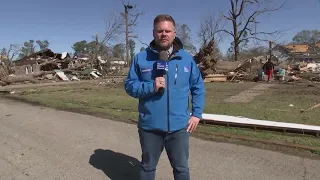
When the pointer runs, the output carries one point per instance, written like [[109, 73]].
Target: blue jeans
[[177, 148]]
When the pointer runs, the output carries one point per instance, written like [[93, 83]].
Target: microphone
[[162, 66]]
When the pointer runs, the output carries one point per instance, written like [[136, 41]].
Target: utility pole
[[126, 7], [129, 24]]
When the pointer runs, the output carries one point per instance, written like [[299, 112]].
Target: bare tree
[[113, 30], [209, 29], [6, 67], [10, 54], [184, 34], [114, 25], [209, 37], [245, 26], [13, 51]]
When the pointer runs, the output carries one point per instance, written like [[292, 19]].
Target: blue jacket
[[168, 112]]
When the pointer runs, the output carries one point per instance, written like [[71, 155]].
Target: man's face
[[164, 34]]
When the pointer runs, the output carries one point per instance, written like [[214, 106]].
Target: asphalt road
[[42, 143]]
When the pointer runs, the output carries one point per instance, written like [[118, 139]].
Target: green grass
[[272, 105], [111, 101]]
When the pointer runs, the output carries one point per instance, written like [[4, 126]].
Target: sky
[[64, 22]]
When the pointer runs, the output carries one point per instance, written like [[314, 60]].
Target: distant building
[[297, 52], [3, 57], [31, 63]]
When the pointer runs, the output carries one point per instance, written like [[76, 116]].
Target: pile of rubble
[[46, 66], [248, 70], [296, 63], [303, 71], [245, 70]]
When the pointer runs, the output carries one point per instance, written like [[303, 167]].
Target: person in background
[[268, 67], [260, 75], [282, 73], [165, 120]]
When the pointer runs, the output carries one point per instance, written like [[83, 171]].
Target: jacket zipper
[[168, 104], [176, 75]]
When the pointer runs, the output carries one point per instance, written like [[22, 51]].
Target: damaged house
[[44, 60], [304, 57], [297, 53], [47, 65]]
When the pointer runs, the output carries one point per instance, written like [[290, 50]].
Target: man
[[268, 67], [164, 118]]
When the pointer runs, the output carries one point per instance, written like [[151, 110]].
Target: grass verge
[[110, 101]]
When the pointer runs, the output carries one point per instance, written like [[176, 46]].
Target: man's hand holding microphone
[[159, 83], [162, 67]]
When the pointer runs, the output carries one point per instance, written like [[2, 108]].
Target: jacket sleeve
[[197, 91], [133, 86]]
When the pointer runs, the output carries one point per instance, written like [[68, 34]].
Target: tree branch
[[133, 23], [114, 26], [209, 29], [223, 30], [13, 51], [143, 42]]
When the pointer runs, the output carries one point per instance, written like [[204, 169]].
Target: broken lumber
[[215, 78], [243, 121]]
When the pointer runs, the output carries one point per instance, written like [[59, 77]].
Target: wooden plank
[[215, 78], [253, 122]]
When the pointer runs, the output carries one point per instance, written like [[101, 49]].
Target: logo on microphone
[[162, 65]]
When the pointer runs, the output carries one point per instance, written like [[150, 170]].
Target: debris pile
[[46, 66], [304, 70], [245, 70], [290, 66], [215, 70]]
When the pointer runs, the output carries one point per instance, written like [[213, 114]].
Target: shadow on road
[[115, 165]]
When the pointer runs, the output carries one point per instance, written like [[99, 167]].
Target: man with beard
[[165, 120]]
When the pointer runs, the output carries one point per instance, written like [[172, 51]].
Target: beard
[[164, 46]]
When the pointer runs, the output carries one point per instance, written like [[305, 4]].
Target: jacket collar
[[176, 47]]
